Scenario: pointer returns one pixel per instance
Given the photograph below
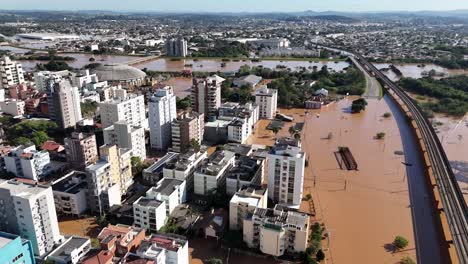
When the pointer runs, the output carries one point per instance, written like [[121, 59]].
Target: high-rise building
[[276, 231], [206, 95], [267, 100], [120, 165], [63, 102], [81, 150], [212, 174], [176, 47], [28, 210], [14, 249], [43, 78], [244, 202], [27, 162], [127, 136], [286, 162], [123, 107], [162, 111], [103, 191], [187, 127], [11, 73]]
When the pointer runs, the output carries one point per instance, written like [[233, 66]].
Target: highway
[[373, 86], [453, 208]]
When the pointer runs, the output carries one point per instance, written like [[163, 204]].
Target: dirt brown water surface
[[363, 210]]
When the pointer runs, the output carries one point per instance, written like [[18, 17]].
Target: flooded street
[[365, 209]]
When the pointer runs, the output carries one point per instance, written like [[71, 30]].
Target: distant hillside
[[336, 18]]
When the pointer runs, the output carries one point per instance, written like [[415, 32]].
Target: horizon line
[[232, 12]]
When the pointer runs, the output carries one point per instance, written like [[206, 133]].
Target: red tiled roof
[[50, 145]]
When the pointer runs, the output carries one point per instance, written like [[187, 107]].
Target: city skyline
[[238, 6]]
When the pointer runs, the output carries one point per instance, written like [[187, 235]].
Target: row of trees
[[452, 93], [31, 131], [224, 48]]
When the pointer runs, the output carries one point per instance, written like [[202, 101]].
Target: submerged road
[[373, 86], [425, 220]]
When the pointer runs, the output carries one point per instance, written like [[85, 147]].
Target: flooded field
[[453, 134], [83, 59], [214, 65], [414, 71], [181, 85], [365, 209]]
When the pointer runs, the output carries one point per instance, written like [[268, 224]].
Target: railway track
[[453, 202]]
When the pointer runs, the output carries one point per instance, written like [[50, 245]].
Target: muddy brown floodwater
[[363, 210]]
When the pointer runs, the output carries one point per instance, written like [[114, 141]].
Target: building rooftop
[[265, 91], [159, 165], [184, 161], [246, 169], [118, 72], [239, 149], [216, 162], [166, 186], [23, 188], [100, 164], [70, 244], [6, 238], [169, 242], [148, 202], [73, 183], [287, 147]]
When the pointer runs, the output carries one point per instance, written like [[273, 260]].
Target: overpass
[[448, 198], [141, 60]]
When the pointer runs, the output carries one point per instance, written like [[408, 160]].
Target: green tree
[[292, 130], [358, 105], [184, 103], [136, 162], [320, 255], [275, 130], [380, 135], [400, 242], [387, 115], [407, 260], [39, 137], [308, 197], [195, 145], [214, 261], [22, 141]]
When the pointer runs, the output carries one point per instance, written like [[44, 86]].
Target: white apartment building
[[171, 191], [123, 107], [244, 202], [103, 192], [64, 103], [70, 194], [206, 95], [28, 210], [162, 112], [212, 174], [286, 162], [13, 107], [43, 78], [183, 167], [27, 162], [243, 117], [246, 171], [71, 251], [125, 135], [84, 80], [167, 248], [149, 213], [276, 231], [11, 72], [267, 100]]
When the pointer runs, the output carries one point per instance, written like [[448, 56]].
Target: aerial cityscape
[[190, 132]]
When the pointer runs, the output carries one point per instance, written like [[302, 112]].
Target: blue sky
[[236, 5]]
